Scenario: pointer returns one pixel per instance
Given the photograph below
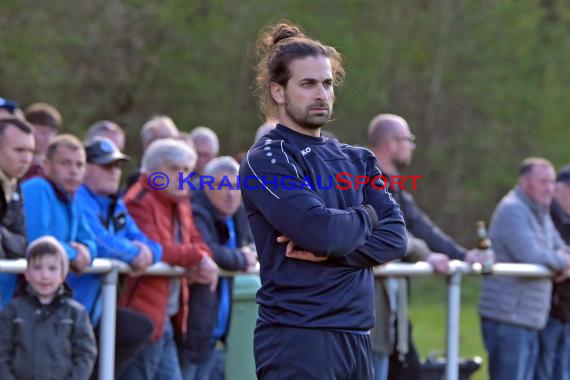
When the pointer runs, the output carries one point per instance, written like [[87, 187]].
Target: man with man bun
[[316, 247]]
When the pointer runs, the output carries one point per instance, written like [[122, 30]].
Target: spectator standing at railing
[[8, 108], [165, 216], [513, 309], [46, 121], [316, 247], [108, 129], [222, 221], [156, 128], [117, 237], [44, 334], [393, 145], [206, 145], [554, 357], [51, 208], [16, 152]]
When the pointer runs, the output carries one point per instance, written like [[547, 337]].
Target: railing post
[[453, 310], [107, 325]]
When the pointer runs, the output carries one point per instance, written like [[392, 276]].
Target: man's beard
[[304, 119]]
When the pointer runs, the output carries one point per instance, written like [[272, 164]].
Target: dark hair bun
[[283, 30]]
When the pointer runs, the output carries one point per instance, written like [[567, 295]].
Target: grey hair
[[223, 164], [202, 135], [263, 129], [146, 131], [102, 126], [166, 150]]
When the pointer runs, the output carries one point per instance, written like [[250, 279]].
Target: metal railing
[[457, 270], [110, 269]]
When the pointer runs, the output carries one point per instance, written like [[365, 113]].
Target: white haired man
[[165, 216]]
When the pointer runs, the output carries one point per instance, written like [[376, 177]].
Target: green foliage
[[481, 82]]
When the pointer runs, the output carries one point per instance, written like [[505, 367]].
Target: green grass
[[428, 310]]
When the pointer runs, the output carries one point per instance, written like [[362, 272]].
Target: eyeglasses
[[112, 165], [411, 138]]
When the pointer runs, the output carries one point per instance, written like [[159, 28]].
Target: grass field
[[427, 312]]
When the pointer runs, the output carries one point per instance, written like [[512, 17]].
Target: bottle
[[484, 245]]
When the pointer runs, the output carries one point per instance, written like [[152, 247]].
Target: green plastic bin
[[239, 356]]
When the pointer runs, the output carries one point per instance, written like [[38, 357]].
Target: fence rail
[[110, 269]]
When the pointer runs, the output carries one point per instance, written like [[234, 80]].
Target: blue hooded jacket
[[51, 211], [114, 232]]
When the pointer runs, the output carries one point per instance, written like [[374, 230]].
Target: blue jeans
[[381, 362], [512, 350], [159, 361], [553, 354], [213, 368]]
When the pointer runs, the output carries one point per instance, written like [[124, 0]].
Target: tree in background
[[481, 82]]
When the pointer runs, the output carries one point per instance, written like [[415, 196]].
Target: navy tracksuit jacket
[[335, 294]]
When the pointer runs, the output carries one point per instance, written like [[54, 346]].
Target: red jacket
[[154, 213]]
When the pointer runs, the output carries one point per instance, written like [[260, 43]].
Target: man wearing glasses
[[393, 145]]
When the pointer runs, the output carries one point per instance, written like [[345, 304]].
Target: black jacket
[[12, 226], [421, 226], [52, 341], [203, 303], [561, 291]]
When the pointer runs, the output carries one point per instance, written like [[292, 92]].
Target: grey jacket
[[40, 342], [521, 232]]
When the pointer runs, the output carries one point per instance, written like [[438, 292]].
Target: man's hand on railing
[[206, 272], [142, 261], [250, 255], [564, 274], [478, 256], [83, 258], [439, 262]]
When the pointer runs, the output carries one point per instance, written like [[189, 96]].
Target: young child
[[44, 333]]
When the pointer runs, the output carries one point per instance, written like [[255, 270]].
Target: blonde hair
[[66, 140]]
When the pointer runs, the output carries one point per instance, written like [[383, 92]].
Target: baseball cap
[[102, 151], [8, 104], [564, 174]]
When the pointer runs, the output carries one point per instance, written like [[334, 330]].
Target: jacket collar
[[102, 200], [298, 137], [534, 207], [9, 186], [557, 210], [63, 291], [161, 195], [200, 197], [61, 194]]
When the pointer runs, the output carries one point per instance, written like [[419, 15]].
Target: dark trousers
[[132, 335], [298, 353]]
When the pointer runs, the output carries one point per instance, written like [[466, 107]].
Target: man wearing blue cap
[[118, 237], [7, 107]]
